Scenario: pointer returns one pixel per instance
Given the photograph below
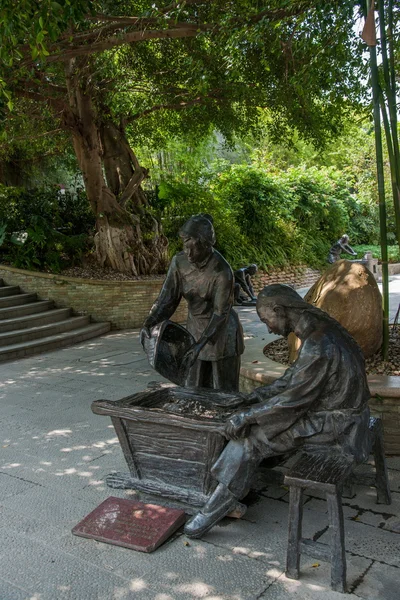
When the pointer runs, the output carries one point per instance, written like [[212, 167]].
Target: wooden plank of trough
[[127, 449]]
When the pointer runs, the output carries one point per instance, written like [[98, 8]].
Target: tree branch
[[175, 30], [56, 103], [177, 106], [132, 185], [127, 38], [30, 137]]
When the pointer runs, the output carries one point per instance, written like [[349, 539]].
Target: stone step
[[26, 309], [34, 333], [35, 320], [53, 342], [9, 290], [17, 300]]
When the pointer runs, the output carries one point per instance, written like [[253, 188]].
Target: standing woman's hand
[[191, 356], [144, 333]]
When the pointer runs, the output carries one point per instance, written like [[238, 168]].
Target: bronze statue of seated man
[[243, 283], [321, 399]]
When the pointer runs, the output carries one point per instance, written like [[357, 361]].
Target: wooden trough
[[170, 437]]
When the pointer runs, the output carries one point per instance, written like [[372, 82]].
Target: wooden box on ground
[[170, 437]]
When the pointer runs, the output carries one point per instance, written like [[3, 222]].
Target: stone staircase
[[29, 326]]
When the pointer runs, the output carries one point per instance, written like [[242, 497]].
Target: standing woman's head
[[198, 237]]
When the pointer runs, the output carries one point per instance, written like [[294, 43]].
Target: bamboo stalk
[[390, 92], [381, 194]]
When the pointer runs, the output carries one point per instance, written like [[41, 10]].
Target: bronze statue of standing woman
[[203, 277]]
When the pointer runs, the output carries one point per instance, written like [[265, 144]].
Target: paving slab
[[380, 581], [11, 486], [189, 570], [371, 542], [55, 455], [11, 592], [314, 581], [49, 574]]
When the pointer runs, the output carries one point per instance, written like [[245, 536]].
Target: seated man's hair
[[279, 293]]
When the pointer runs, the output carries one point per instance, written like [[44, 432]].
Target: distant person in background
[[243, 282], [340, 246]]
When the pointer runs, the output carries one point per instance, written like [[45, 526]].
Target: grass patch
[[393, 252]]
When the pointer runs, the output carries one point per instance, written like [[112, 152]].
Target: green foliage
[[34, 151], [43, 229], [42, 247], [177, 201], [36, 22], [267, 218], [331, 190], [242, 56], [317, 198], [364, 223], [259, 207], [3, 231]]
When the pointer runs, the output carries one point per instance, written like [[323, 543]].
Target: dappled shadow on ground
[[55, 455]]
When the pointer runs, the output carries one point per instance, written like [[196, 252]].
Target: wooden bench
[[329, 470]]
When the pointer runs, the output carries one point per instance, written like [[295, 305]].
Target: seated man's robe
[[321, 399]]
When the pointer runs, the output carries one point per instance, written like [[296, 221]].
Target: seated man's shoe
[[199, 525], [220, 504]]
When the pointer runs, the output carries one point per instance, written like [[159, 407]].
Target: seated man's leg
[[234, 470]]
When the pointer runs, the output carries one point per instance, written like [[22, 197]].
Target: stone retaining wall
[[125, 304], [298, 276]]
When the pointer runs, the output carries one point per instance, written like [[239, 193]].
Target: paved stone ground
[[55, 454]]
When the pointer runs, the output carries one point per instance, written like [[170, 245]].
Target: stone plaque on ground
[[131, 524]]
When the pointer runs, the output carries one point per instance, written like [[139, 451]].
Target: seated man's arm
[[261, 394], [275, 414]]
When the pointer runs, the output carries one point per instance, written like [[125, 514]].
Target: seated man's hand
[[228, 401], [237, 426]]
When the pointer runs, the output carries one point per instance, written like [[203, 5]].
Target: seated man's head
[[344, 239], [279, 307], [198, 237], [252, 270]]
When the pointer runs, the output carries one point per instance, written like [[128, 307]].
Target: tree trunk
[[119, 239], [116, 159]]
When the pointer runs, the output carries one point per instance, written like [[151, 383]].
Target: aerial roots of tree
[[122, 248]]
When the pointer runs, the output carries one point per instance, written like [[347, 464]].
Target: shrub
[[259, 207], [269, 219], [176, 202], [42, 228], [319, 200]]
